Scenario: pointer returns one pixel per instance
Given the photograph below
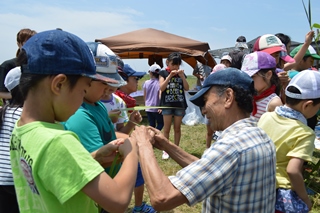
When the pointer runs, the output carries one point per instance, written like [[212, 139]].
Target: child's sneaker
[[165, 155], [144, 208]]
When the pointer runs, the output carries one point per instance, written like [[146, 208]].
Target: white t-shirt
[[117, 103]]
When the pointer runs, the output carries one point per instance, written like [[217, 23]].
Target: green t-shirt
[[50, 167]]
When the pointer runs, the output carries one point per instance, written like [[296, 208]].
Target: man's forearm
[[179, 155], [163, 195]]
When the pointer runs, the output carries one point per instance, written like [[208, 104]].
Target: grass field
[[193, 141]]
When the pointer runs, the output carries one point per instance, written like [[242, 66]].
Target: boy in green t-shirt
[[294, 140], [52, 171]]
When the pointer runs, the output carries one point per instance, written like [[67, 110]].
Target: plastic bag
[[193, 114]]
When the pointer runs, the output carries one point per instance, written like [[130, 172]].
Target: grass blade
[[112, 171], [138, 108], [305, 10], [310, 22]]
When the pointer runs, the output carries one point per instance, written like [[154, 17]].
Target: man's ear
[[229, 98], [58, 83]]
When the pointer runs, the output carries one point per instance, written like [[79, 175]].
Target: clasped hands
[[180, 73], [141, 137], [148, 137]]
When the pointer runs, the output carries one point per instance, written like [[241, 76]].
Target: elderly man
[[236, 174]]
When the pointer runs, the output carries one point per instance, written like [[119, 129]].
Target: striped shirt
[[262, 105], [236, 174], [12, 114]]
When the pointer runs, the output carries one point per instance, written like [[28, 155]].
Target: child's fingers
[[117, 142]]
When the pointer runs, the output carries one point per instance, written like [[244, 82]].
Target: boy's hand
[[114, 115], [284, 78], [309, 37], [309, 204], [128, 146], [135, 117], [106, 153], [159, 140]]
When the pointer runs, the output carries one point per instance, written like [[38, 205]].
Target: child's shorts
[[175, 112], [288, 201], [139, 180]]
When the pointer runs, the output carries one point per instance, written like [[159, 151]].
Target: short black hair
[[241, 39], [285, 39], [175, 57], [244, 98]]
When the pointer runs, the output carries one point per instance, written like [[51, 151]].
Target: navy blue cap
[[58, 52], [131, 72], [225, 77]]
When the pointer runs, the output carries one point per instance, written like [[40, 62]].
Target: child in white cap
[[9, 114], [287, 127], [151, 89]]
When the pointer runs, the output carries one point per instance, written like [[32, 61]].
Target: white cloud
[[88, 25], [218, 29]]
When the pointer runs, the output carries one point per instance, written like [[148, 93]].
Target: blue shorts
[[139, 180], [175, 112], [288, 201]]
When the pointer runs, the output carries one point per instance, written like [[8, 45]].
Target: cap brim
[[315, 56], [138, 74], [272, 50], [288, 59], [102, 78], [197, 99], [114, 76], [251, 72]]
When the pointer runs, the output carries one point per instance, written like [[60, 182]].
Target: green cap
[[310, 52]]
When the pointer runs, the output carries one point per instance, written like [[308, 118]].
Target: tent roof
[[146, 43]]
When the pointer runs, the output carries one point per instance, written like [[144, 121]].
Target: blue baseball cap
[[128, 71], [55, 52], [226, 77]]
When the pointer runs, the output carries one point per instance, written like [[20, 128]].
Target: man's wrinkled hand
[[159, 140], [142, 136]]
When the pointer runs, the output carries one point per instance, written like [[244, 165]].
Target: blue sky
[[217, 22]]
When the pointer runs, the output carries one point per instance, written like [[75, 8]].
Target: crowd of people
[[71, 139]]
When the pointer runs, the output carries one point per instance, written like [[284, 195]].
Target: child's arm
[[184, 80], [274, 103], [135, 117], [144, 95], [294, 171], [298, 57], [164, 82], [103, 189]]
